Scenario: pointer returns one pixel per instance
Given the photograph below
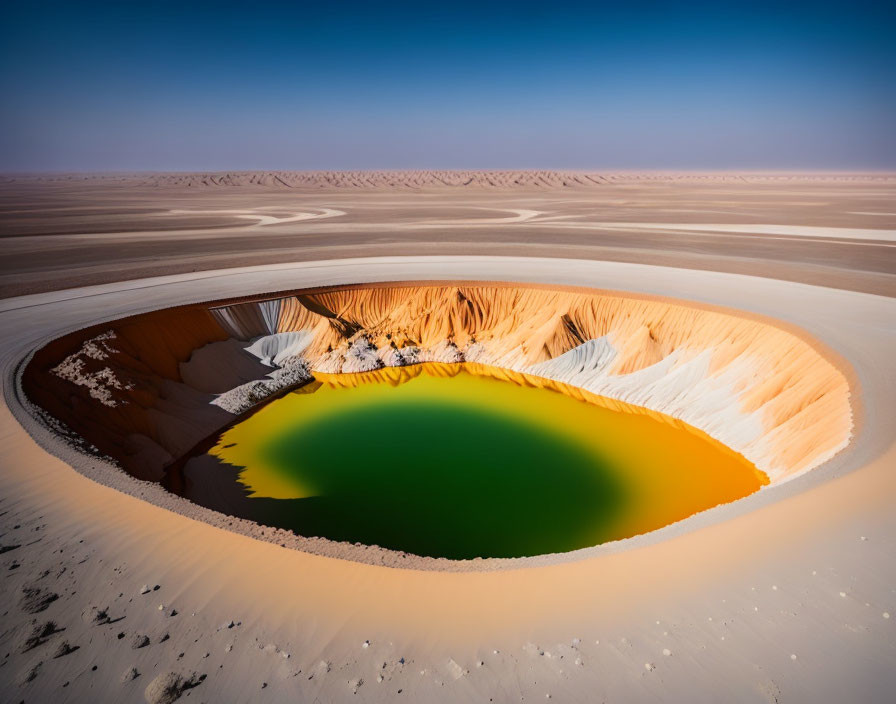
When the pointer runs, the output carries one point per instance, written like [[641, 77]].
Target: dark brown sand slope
[[834, 230]]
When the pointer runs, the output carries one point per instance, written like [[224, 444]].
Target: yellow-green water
[[450, 461]]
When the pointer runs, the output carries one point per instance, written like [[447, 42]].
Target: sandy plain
[[783, 596]]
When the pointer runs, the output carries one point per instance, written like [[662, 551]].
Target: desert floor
[[785, 596]]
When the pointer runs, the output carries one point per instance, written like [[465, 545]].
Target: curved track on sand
[[778, 597]]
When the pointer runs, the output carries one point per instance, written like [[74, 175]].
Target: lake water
[[449, 461]]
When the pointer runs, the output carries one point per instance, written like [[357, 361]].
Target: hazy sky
[[344, 85]]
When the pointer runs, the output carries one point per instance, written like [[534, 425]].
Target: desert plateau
[[125, 354]]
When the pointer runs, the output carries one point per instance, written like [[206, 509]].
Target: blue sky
[[262, 85]]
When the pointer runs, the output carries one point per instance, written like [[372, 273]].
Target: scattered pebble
[[793, 656], [886, 614], [649, 666], [667, 652]]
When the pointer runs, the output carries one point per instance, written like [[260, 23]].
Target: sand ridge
[[472, 179]]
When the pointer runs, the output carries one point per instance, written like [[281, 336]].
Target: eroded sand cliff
[[147, 389]]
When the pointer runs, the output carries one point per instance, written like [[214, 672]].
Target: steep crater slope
[[146, 390]]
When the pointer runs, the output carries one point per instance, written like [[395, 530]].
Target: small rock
[[130, 674], [168, 687], [139, 641], [95, 615], [63, 649], [667, 652], [649, 666], [31, 674], [145, 589], [455, 670]]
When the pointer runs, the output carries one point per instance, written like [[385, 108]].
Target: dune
[[456, 179]]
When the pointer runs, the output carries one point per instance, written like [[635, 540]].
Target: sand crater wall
[[146, 389]]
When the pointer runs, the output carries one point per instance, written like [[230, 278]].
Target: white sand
[[850, 233], [733, 594]]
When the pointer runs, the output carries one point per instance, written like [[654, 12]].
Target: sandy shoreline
[[324, 607]]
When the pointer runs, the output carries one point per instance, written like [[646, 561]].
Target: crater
[[445, 420]]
